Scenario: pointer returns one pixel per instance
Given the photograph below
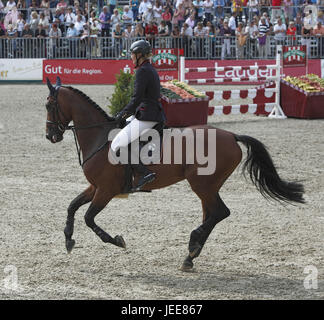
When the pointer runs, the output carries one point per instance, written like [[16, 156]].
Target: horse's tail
[[264, 175]]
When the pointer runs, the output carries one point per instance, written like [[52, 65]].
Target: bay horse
[[90, 127]]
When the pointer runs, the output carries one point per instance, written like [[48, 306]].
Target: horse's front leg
[[98, 203], [83, 198]]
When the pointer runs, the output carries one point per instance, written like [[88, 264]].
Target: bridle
[[59, 126]]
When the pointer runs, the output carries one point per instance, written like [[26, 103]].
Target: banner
[[92, 71], [21, 69], [166, 59], [294, 56], [105, 71]]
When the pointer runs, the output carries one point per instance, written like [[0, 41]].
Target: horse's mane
[[90, 101]]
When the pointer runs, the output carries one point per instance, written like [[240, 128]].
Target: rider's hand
[[121, 115]]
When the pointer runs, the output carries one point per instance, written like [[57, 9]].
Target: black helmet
[[141, 46]]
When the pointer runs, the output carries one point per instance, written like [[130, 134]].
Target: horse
[[91, 124]]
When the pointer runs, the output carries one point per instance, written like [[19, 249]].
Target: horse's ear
[[50, 87], [58, 82]]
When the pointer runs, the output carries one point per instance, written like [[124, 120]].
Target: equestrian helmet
[[141, 46]]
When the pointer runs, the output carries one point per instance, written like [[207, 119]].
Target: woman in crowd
[[20, 24], [118, 40], [157, 11], [139, 31]]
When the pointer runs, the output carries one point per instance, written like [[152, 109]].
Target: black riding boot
[[146, 175]]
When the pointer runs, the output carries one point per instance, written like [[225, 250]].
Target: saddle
[[150, 155]]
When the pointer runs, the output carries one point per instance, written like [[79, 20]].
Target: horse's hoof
[[187, 266], [69, 244], [119, 241]]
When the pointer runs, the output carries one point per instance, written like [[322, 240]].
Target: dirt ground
[[259, 252]]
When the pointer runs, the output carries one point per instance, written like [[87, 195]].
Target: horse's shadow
[[227, 285]]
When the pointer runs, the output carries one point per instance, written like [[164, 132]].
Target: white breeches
[[131, 132]]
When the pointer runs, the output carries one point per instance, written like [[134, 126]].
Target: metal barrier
[[110, 48]]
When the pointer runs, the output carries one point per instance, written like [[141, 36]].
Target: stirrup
[[143, 181]]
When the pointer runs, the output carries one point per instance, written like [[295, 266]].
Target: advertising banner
[[105, 71], [294, 56], [21, 69]]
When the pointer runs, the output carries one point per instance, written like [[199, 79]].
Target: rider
[[144, 106]]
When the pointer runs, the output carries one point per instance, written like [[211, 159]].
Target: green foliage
[[123, 91]]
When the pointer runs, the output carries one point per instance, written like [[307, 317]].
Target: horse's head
[[56, 121]]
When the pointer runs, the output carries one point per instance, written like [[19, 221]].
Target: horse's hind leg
[[215, 211], [83, 198]]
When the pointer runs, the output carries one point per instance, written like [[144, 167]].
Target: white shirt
[[282, 34], [208, 5], [143, 7], [232, 23], [188, 32], [157, 12], [128, 16]]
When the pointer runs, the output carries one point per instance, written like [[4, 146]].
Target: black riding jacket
[[145, 102]]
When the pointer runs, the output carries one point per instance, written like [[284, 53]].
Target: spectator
[[94, 34], [139, 31], [20, 24], [253, 32], [129, 32], [69, 17], [84, 40], [55, 34], [148, 15], [61, 5], [178, 16], [187, 4], [45, 4], [10, 5], [27, 33], [264, 6], [200, 33], [175, 34], [43, 20], [306, 33], [79, 24], [276, 10], [241, 37], [226, 33], [232, 22], [288, 9], [163, 32], [237, 7], [127, 16], [191, 22], [298, 23], [34, 20], [262, 37], [291, 33], [320, 17], [12, 42], [157, 11], [280, 32], [253, 8], [134, 5], [118, 40], [143, 8], [40, 32], [105, 19], [211, 32], [167, 17], [163, 29], [208, 9], [318, 32], [199, 6], [186, 35], [112, 5], [151, 31], [219, 8], [2, 12]]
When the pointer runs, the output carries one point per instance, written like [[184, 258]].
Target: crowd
[[249, 22]]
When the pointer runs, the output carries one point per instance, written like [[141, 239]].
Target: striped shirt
[[263, 29]]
